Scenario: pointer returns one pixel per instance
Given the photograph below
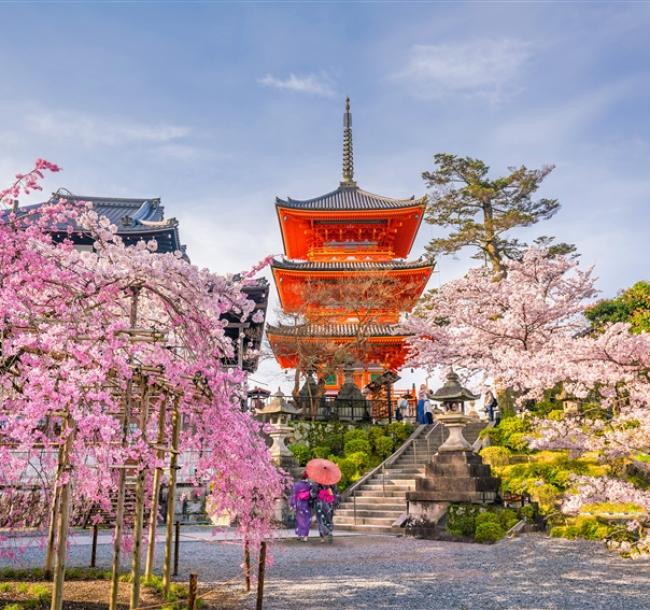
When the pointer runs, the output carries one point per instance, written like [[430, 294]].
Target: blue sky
[[219, 107]]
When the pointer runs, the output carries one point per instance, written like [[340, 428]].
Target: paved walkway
[[364, 572]]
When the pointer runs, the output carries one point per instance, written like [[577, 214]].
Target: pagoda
[[358, 242]]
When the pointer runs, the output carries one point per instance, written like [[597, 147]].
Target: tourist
[[325, 498], [422, 396], [403, 407], [428, 412], [490, 405], [301, 502]]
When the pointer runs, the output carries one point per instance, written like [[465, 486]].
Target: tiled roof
[[347, 198], [135, 219], [337, 330], [348, 265], [128, 215]]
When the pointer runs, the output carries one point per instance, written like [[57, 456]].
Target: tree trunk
[[157, 476], [134, 601], [171, 497], [490, 248], [121, 486], [62, 524], [54, 511]]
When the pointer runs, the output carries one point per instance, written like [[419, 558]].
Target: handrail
[[350, 491], [477, 445]]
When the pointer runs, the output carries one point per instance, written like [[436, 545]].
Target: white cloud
[[90, 131], [485, 67], [311, 83]]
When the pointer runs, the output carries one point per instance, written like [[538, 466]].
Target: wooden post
[[121, 486], [247, 566], [93, 549], [260, 577], [171, 496], [157, 476], [62, 523], [54, 510], [177, 536], [134, 600], [191, 601]]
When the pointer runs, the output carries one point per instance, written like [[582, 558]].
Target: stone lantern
[[277, 414], [452, 395], [455, 473]]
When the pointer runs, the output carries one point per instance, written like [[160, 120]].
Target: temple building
[[344, 277], [144, 219]]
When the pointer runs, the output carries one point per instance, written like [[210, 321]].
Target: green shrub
[[508, 518], [357, 445], [383, 447], [321, 451], [353, 434], [301, 452], [528, 512], [488, 532], [375, 432], [13, 607], [496, 456], [348, 469], [518, 442], [461, 519], [485, 517], [399, 431], [360, 459]]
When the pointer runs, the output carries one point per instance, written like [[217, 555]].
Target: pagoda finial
[[348, 159]]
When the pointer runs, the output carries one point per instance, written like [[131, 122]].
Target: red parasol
[[323, 471]]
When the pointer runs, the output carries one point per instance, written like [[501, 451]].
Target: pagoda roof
[[348, 197], [337, 330], [349, 265]]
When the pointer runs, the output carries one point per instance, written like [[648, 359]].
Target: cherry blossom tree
[[112, 360], [528, 332]]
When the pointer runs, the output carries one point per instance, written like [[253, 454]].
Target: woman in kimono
[[300, 502], [325, 499]]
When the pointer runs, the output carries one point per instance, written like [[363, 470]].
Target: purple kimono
[[300, 502]]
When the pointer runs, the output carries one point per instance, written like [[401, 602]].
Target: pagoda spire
[[348, 157]]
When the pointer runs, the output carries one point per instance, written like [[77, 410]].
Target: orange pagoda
[[358, 242]]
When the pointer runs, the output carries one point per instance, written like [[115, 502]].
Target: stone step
[[385, 521], [344, 513], [397, 485], [369, 529], [378, 493], [366, 505]]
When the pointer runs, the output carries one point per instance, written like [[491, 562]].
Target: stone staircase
[[376, 503]]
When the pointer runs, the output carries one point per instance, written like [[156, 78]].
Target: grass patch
[[38, 575]]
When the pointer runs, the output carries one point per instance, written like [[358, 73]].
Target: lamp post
[[452, 395]]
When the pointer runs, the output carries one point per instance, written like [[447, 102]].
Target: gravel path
[[363, 572]]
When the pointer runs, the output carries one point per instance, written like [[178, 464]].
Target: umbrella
[[323, 471]]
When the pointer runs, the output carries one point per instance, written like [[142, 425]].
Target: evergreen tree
[[481, 211]]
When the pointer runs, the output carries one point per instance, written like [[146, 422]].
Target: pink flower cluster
[[84, 335]]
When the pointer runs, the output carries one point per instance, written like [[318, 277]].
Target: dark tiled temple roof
[[348, 265], [337, 330], [135, 219], [347, 198]]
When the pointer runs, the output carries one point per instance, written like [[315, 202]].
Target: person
[[428, 412], [301, 501], [490, 405], [325, 498], [422, 396], [402, 407]]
